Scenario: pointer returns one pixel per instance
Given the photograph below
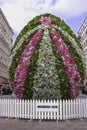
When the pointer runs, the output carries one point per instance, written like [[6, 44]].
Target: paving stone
[[19, 124]]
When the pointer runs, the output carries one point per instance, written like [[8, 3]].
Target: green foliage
[[35, 22], [75, 55], [28, 92], [64, 84], [16, 58]]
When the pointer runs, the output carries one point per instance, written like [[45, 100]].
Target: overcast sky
[[19, 12]]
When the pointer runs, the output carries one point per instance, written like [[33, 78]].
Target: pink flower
[[22, 68], [45, 20], [69, 63]]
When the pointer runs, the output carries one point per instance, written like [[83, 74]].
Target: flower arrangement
[[22, 68], [47, 64], [69, 64]]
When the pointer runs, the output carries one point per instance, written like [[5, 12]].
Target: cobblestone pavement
[[18, 124]]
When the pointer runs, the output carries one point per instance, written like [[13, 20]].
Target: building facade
[[82, 35], [6, 43]]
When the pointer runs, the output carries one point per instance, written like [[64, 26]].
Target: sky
[[20, 12]]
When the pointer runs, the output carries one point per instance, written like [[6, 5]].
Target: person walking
[[84, 89]]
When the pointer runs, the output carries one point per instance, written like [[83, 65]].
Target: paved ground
[[17, 124]]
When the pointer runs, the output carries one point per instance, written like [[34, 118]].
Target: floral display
[[46, 71], [21, 70], [69, 63], [48, 61]]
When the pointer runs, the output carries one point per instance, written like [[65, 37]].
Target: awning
[[4, 82]]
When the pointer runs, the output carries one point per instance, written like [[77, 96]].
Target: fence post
[[31, 110], [60, 109], [86, 108], [57, 110], [74, 110], [66, 110], [79, 101], [34, 108]]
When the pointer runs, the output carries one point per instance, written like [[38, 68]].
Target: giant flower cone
[[46, 61]]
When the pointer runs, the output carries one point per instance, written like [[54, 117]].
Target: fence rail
[[43, 109]]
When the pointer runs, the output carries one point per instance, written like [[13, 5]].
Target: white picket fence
[[42, 109]]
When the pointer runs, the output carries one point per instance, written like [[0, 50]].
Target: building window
[[84, 44], [1, 57], [86, 32], [86, 41]]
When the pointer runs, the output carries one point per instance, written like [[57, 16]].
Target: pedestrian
[[2, 90], [84, 89]]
